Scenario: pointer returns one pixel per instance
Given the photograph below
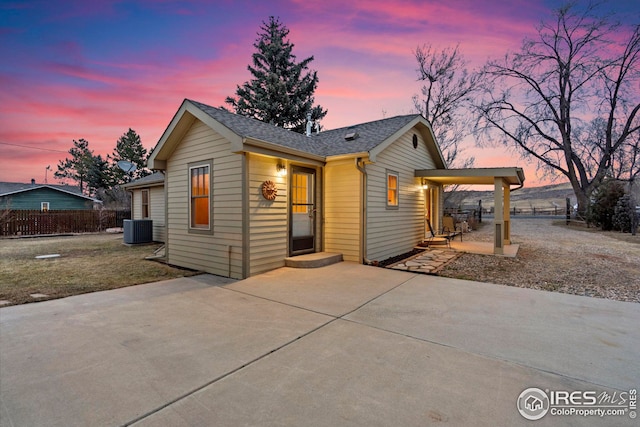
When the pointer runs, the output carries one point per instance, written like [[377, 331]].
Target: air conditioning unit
[[138, 231]]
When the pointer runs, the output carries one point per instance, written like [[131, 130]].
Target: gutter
[[363, 213], [347, 156], [520, 174]]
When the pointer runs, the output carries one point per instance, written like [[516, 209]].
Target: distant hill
[[545, 197]]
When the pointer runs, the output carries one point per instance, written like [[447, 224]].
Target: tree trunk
[[583, 200]]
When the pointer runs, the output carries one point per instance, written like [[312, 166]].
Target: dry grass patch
[[554, 257], [617, 235], [87, 263]]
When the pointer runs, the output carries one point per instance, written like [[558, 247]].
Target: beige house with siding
[[243, 195], [148, 202]]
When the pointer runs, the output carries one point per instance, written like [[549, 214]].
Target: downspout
[[246, 216], [521, 179], [166, 215], [363, 212], [518, 187]]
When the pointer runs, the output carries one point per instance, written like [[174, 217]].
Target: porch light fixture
[[281, 169], [425, 186]]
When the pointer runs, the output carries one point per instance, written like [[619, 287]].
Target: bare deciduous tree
[[569, 99], [446, 97], [5, 210]]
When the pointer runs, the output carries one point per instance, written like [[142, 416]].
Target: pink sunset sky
[[93, 69]]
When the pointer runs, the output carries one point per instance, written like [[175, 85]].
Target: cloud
[[14, 159], [79, 83], [99, 102], [404, 20]]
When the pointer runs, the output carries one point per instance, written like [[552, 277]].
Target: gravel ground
[[558, 258]]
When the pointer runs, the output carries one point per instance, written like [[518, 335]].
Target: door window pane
[[302, 204]]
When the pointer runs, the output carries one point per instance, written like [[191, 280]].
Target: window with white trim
[[200, 196], [393, 186], [44, 206]]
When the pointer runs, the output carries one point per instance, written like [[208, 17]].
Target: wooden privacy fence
[[26, 223]]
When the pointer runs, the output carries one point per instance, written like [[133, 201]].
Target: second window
[[392, 189]]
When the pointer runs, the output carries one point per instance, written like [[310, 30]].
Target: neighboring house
[[148, 202], [242, 195], [43, 197]]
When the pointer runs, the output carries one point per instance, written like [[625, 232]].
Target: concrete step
[[318, 259]]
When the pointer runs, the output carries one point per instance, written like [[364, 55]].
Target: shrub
[[623, 214], [604, 201]]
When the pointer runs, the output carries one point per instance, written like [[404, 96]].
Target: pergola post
[[498, 216], [433, 204], [507, 215], [437, 207]]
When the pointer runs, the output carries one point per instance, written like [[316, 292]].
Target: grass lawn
[[87, 263]]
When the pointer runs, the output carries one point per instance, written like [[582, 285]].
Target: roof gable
[[372, 137]]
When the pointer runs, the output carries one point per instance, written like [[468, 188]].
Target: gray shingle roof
[[154, 178], [251, 128], [16, 187], [325, 143], [370, 135]]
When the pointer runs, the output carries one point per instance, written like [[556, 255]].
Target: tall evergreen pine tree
[[129, 148], [89, 171], [78, 166], [282, 91]]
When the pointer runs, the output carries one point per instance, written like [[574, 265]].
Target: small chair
[[436, 239], [448, 225]]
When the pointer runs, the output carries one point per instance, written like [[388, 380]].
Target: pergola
[[501, 178]]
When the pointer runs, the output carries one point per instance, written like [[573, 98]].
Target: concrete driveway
[[344, 345]]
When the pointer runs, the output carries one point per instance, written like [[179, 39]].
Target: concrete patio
[[483, 248], [342, 345], [434, 258]]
